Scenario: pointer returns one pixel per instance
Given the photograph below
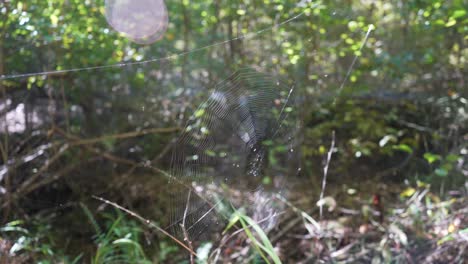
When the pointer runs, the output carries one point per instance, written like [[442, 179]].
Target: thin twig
[[186, 236], [325, 171], [4, 147], [78, 141], [65, 105], [63, 172], [147, 222], [45, 167]]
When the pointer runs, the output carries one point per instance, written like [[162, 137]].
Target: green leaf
[[240, 12], [431, 158], [255, 242], [451, 22], [404, 148], [129, 242], [210, 153], [266, 244], [266, 180], [459, 13], [452, 158], [199, 113], [234, 219], [408, 192], [77, 259], [441, 172]]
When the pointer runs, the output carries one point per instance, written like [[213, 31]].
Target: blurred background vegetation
[[397, 180]]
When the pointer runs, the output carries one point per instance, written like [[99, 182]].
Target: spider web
[[239, 139]]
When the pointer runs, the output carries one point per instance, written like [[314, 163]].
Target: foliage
[[33, 243], [415, 228], [120, 243], [396, 100], [261, 247]]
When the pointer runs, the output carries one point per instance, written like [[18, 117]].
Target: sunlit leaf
[[403, 147], [459, 13], [329, 201], [199, 113], [234, 219], [265, 242], [431, 158], [386, 139], [451, 22], [408, 192]]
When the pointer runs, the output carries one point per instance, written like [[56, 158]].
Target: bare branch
[[325, 171], [186, 236]]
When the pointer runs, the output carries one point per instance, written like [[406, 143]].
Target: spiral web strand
[[228, 145]]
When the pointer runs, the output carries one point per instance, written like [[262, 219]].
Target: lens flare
[[142, 21]]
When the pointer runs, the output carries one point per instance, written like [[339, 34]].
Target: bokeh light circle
[[142, 21]]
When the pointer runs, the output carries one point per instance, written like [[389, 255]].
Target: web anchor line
[[351, 67], [250, 35]]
